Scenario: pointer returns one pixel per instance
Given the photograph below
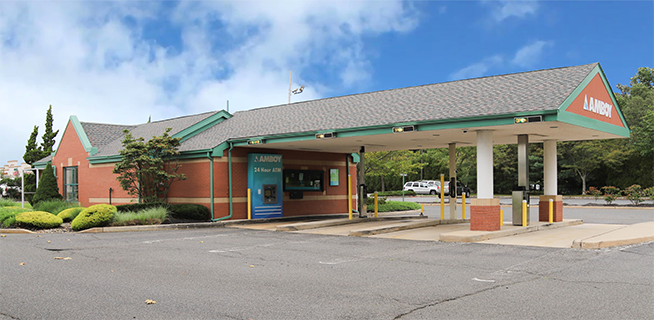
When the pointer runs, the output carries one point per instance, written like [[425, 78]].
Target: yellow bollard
[[249, 212], [350, 198], [376, 204], [525, 213], [463, 205], [442, 194], [422, 207], [550, 210], [501, 217]]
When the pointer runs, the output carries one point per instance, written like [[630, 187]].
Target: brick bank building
[[297, 159]]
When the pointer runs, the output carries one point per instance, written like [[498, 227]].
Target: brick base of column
[[485, 214], [557, 208]]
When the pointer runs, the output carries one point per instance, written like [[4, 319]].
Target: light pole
[[403, 175]]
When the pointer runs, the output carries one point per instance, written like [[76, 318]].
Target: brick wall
[[557, 208], [485, 214]]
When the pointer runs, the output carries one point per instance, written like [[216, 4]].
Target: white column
[[485, 157], [452, 164], [550, 167]]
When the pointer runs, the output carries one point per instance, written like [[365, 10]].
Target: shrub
[[48, 188], [396, 193], [370, 201], [397, 206], [38, 219], [54, 206], [98, 215], [634, 193], [610, 193], [594, 192], [70, 213], [648, 193], [147, 216], [8, 215], [189, 211]]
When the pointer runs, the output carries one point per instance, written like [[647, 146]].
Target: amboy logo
[[267, 158], [597, 106]]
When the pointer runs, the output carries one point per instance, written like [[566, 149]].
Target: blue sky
[[121, 62]]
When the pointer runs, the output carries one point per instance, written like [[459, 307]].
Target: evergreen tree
[[32, 151], [48, 136], [48, 188]]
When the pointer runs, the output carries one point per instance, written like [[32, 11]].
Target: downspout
[[229, 174], [211, 183]]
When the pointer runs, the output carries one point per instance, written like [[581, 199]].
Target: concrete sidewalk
[[568, 233]]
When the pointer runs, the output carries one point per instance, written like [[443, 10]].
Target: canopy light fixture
[[403, 129], [255, 141], [527, 119], [326, 135]]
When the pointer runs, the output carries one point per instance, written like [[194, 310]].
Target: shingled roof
[[148, 130], [539, 90], [101, 134]]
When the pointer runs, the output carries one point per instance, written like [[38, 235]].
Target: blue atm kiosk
[[265, 183]]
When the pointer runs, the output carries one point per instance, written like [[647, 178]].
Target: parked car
[[461, 188], [421, 188]]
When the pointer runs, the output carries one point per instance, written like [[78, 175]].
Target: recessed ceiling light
[[435, 135], [553, 127], [594, 135]]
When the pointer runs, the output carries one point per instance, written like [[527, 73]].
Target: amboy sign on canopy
[[594, 102], [597, 106]]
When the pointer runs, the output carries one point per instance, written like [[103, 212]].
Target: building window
[[70, 183]]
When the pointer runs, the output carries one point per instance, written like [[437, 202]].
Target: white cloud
[[101, 62], [526, 57], [530, 54], [478, 69], [504, 9]]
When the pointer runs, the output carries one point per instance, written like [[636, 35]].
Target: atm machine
[[265, 184]]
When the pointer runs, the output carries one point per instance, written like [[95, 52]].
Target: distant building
[[13, 169]]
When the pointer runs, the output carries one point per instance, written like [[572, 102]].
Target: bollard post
[[442, 194], [350, 198], [550, 210], [422, 207], [376, 204], [249, 212], [501, 217], [525, 213], [463, 206]]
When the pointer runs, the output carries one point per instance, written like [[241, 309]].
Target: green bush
[[98, 215], [147, 216], [189, 211], [370, 201], [38, 219], [54, 206], [396, 193], [611, 193], [70, 213], [648, 193], [8, 215], [396, 206], [48, 188], [634, 193]]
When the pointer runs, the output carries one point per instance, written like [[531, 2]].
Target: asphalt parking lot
[[234, 273]]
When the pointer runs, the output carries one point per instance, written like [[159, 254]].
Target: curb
[[615, 238], [407, 225], [339, 222], [476, 236], [158, 227], [16, 231]]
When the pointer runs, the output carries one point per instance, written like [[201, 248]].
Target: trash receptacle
[[520, 193]]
